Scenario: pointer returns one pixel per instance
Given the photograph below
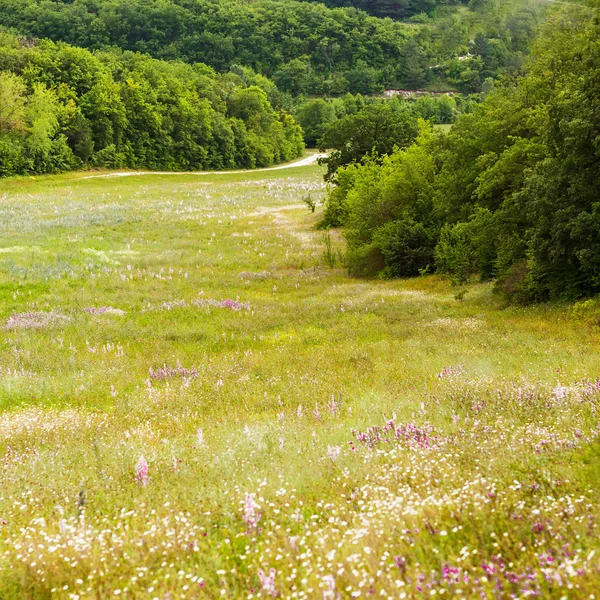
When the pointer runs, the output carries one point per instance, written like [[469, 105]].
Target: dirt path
[[303, 162]]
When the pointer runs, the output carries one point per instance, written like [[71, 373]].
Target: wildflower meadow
[[198, 402]]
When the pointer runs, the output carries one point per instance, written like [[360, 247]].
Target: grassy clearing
[[137, 310]]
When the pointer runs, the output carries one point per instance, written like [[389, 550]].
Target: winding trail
[[303, 162]]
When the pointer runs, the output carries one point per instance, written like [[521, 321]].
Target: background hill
[[306, 48], [395, 9]]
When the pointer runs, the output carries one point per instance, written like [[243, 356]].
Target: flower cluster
[[227, 303], [165, 372], [251, 511], [104, 310], [409, 435], [35, 320]]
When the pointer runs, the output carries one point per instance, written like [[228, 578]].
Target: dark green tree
[[375, 130]]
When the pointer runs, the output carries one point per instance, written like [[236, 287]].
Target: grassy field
[[361, 438]]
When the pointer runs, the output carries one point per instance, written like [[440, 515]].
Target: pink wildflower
[[268, 583], [251, 514], [450, 372], [294, 542], [332, 406], [141, 471]]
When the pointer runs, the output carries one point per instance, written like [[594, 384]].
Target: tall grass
[[358, 437]]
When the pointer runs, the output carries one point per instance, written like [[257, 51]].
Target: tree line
[[395, 9], [510, 193], [317, 115], [304, 47], [63, 107]]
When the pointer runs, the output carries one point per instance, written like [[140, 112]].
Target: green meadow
[[394, 439]]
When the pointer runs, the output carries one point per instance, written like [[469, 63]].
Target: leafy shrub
[[12, 161], [513, 286], [365, 261], [109, 158], [336, 207], [407, 248], [587, 311], [467, 248]]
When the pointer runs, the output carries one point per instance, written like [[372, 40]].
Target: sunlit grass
[[136, 311]]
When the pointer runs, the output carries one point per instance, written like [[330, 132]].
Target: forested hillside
[[395, 9], [306, 48], [264, 58], [63, 107], [511, 193]]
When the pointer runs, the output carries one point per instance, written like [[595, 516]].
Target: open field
[[361, 438]]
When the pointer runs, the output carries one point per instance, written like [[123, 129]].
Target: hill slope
[[304, 47]]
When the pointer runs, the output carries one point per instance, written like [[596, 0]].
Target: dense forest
[[317, 115], [63, 107], [306, 48], [510, 193], [79, 86], [395, 9]]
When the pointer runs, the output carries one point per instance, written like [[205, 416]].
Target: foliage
[[305, 48], [63, 107], [396, 9], [513, 188], [440, 110], [587, 311], [317, 115], [376, 130], [314, 116], [406, 247], [12, 103]]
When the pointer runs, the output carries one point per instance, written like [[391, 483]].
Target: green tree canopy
[[63, 107], [376, 129], [511, 193]]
